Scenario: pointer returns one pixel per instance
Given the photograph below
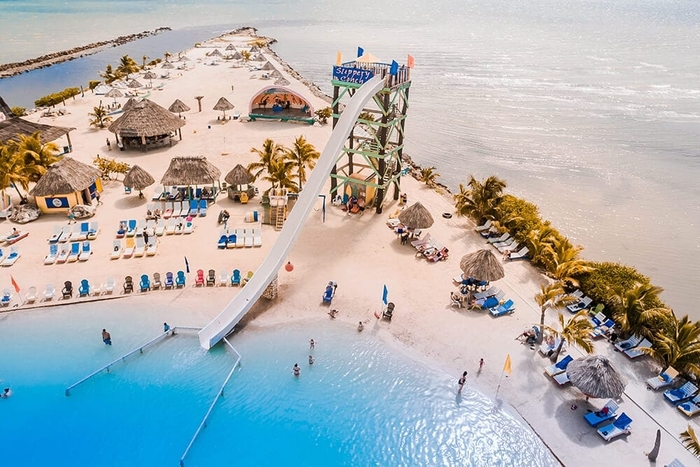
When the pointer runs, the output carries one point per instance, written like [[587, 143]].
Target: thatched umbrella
[[114, 93], [223, 104], [188, 171], [216, 53], [482, 265], [268, 66], [238, 175], [130, 103], [167, 66], [416, 217], [135, 84], [138, 179], [237, 56], [150, 76], [254, 49], [231, 47], [595, 376], [184, 58], [259, 58], [178, 107], [281, 81], [275, 74]]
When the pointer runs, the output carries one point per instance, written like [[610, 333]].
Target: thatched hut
[[65, 184], [239, 182], [223, 104], [268, 66], [146, 125], [193, 172]]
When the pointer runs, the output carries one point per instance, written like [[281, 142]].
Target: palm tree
[[691, 441], [575, 331], [630, 313], [144, 59], [539, 243], [246, 55], [127, 65], [303, 154], [429, 176], [13, 171], [565, 262], [270, 151], [481, 199], [279, 174], [551, 296], [678, 346], [110, 75], [101, 117], [37, 156]]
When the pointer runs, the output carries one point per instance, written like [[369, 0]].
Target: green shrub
[[92, 84], [57, 97], [110, 166], [519, 216], [18, 111]]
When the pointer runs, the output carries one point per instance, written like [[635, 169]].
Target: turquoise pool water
[[361, 403]]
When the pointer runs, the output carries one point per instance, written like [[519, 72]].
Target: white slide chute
[[224, 323]]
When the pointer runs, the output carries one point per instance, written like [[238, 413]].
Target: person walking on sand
[[296, 370], [97, 198], [462, 381], [360, 327], [481, 363], [106, 337], [109, 145]]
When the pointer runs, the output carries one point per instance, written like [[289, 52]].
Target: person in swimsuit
[[311, 360], [296, 370], [106, 337], [462, 381]]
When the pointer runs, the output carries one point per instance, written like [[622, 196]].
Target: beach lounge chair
[[85, 252], [608, 411], [512, 247], [500, 239], [169, 282], [63, 254], [168, 212], [240, 238], [121, 230], [223, 278], [581, 305], [546, 348], [223, 242], [6, 298], [630, 343], [663, 380], [53, 254], [231, 240], [116, 249], [559, 367], [211, 278], [194, 208], [562, 379], [144, 283], [199, 280], [57, 230], [140, 227], [492, 291], [94, 230], [492, 232], [520, 254], [110, 285], [84, 288], [619, 427], [180, 279], [248, 238], [129, 250], [388, 313], [128, 284], [76, 234], [636, 351], [485, 226], [65, 234], [157, 193], [179, 227], [189, 227], [151, 247], [67, 291], [691, 407], [329, 292], [74, 252], [203, 206], [257, 236], [504, 309], [131, 228], [11, 258], [170, 227], [140, 248], [31, 296], [507, 244], [599, 331], [177, 209], [49, 292], [156, 284], [236, 277], [422, 242], [160, 228], [681, 394]]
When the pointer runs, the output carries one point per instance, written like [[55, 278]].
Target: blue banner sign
[[352, 75]]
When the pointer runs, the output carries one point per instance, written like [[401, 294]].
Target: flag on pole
[[14, 284], [385, 295], [506, 366], [339, 58], [187, 265], [360, 52], [410, 61], [394, 68]]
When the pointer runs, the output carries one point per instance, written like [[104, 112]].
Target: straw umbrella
[[238, 175], [184, 58], [223, 104], [114, 93], [416, 217], [178, 107], [150, 76], [231, 47], [190, 171], [216, 53], [254, 49], [268, 66], [281, 81], [145, 119], [237, 56], [259, 58], [275, 74], [595, 376], [167, 66], [135, 84], [138, 179], [481, 265]]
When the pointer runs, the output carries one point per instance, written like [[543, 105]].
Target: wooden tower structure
[[370, 162]]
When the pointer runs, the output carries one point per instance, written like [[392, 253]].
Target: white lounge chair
[[512, 247], [664, 380], [49, 293], [562, 379], [63, 254], [506, 243], [189, 227], [500, 239], [559, 367], [160, 228], [619, 427], [53, 254], [521, 254], [152, 246], [248, 238], [57, 230], [129, 250], [636, 352], [257, 236], [86, 252], [422, 241], [630, 343], [65, 234], [11, 258], [170, 227], [140, 248], [109, 286], [93, 230], [116, 249], [240, 238], [584, 303], [485, 226], [31, 295]]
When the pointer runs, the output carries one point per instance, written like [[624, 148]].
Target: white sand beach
[[359, 252]]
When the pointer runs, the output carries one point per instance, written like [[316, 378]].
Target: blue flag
[[385, 295], [394, 68], [187, 265], [360, 52]]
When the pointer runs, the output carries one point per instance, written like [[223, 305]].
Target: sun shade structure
[[178, 107], [237, 56], [223, 104], [280, 103], [137, 178], [135, 84], [167, 65], [145, 124], [114, 93], [254, 49], [268, 66], [259, 58], [595, 376], [482, 265], [281, 82], [230, 47], [239, 181], [150, 75], [65, 184], [190, 171], [184, 58], [216, 53], [416, 217]]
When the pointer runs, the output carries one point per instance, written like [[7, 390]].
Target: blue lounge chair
[[180, 279], [74, 252], [232, 239], [53, 254], [603, 415], [600, 330], [559, 367], [84, 289], [145, 283], [131, 230], [223, 240], [505, 309], [329, 293], [619, 427], [691, 407], [168, 283], [681, 394], [6, 298], [203, 205], [194, 208], [636, 351], [630, 343], [236, 277], [490, 302]]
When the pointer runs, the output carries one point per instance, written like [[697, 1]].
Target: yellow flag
[[339, 58], [506, 365]]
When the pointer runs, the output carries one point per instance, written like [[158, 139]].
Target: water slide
[[224, 323]]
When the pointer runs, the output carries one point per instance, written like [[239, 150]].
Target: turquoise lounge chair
[[681, 394], [194, 208], [505, 309], [603, 415], [619, 427], [203, 205], [84, 289], [145, 283], [559, 367], [236, 277], [180, 279]]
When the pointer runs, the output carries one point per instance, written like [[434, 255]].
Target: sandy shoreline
[[359, 252]]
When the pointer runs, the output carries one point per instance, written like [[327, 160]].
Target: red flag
[[14, 284], [410, 61]]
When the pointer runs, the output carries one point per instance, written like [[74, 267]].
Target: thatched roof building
[[145, 124], [239, 181], [65, 184], [12, 126], [191, 171]]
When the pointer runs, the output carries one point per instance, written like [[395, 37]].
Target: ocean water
[[361, 403], [589, 108]]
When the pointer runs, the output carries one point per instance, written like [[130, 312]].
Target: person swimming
[[296, 370], [6, 393]]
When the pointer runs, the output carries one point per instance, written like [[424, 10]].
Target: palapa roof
[[223, 104], [482, 265], [230, 47], [64, 177], [238, 175], [137, 178], [150, 75], [416, 217], [216, 53], [167, 65], [135, 84], [184, 58], [130, 103], [259, 58], [237, 56], [114, 93], [12, 127], [187, 171], [595, 376], [178, 106], [281, 81], [268, 66], [255, 48], [145, 118]]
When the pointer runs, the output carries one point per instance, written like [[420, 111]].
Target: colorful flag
[[394, 68], [14, 284], [385, 295], [339, 58], [187, 265], [410, 61], [506, 366], [360, 52]]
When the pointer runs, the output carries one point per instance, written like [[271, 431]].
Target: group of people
[[354, 205]]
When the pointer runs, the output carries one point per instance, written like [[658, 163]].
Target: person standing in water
[[106, 337], [296, 370], [462, 381], [311, 360]]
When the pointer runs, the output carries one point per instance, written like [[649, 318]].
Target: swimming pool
[[360, 403]]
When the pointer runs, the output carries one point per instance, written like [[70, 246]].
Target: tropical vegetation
[[551, 295], [678, 346], [25, 161], [575, 331], [57, 97], [100, 117], [633, 316], [280, 165], [110, 166], [322, 115], [691, 441], [429, 176], [303, 155]]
